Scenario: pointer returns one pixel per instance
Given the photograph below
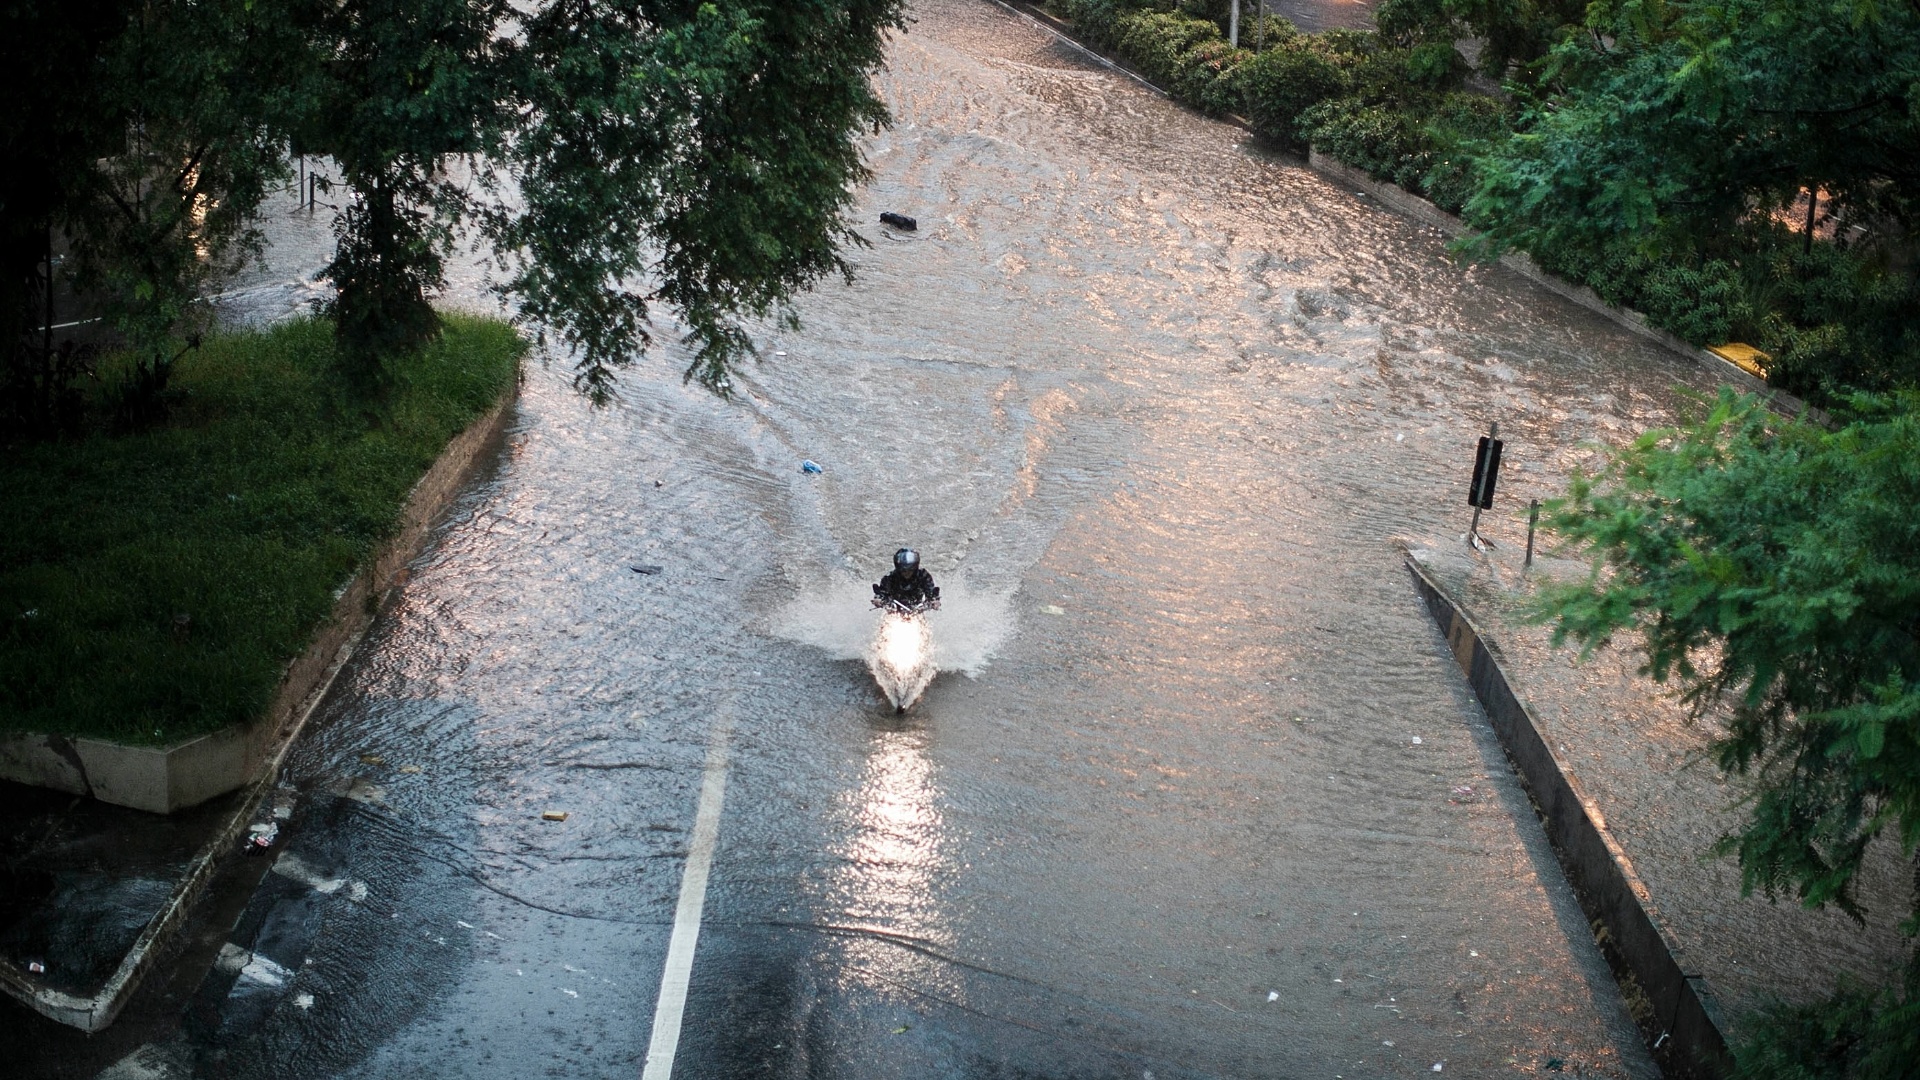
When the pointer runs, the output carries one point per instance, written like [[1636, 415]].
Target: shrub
[[1700, 305], [1099, 20], [1387, 143], [1156, 41], [1437, 65], [1209, 77], [1462, 122], [1282, 83]]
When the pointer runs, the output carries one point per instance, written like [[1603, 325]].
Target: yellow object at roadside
[[1745, 357]]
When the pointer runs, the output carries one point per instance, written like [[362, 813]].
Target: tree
[[396, 94], [617, 155], [138, 150], [1668, 122], [694, 155], [1775, 567], [1514, 34]]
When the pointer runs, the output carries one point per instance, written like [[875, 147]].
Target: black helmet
[[906, 560]]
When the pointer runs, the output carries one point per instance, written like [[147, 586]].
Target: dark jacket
[[910, 587]]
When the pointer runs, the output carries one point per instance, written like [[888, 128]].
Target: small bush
[[1209, 77], [1099, 20], [1281, 84], [1387, 143], [1462, 122], [1156, 42], [1700, 305], [1437, 65]]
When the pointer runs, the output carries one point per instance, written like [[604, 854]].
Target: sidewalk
[[1637, 755]]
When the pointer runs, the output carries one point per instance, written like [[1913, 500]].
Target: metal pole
[[1233, 25], [1533, 518]]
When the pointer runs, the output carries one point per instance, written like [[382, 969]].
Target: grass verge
[[154, 585]]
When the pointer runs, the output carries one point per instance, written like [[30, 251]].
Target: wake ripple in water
[[836, 616]]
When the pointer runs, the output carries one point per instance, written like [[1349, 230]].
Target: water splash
[[836, 616]]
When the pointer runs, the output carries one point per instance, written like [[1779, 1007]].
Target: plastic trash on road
[[811, 467], [260, 838], [36, 967], [554, 815], [648, 569]]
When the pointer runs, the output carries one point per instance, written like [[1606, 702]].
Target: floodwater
[[1160, 409], [1647, 763]]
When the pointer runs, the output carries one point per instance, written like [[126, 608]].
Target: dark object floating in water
[[647, 569], [899, 221]]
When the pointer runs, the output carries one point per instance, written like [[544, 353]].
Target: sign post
[[1486, 469]]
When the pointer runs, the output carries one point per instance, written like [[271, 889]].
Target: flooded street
[[1161, 410]]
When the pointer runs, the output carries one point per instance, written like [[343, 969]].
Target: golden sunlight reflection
[[889, 865]]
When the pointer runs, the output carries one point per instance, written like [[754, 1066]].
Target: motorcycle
[[901, 656]]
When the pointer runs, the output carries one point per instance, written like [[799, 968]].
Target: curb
[[1410, 205], [309, 677], [1681, 1018]]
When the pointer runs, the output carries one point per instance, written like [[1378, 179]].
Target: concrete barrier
[[1682, 1021], [236, 757]]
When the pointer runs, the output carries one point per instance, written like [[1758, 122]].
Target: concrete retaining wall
[[237, 757], [162, 779], [1684, 1027]]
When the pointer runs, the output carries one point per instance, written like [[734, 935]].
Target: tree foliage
[[1670, 121], [1775, 567], [136, 154], [617, 155], [694, 155]]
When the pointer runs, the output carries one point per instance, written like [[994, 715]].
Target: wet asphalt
[[1160, 408]]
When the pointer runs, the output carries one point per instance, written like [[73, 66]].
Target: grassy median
[[154, 585]]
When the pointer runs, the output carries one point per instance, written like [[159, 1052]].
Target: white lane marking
[[672, 1001]]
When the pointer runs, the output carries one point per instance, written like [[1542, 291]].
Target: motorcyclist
[[909, 585]]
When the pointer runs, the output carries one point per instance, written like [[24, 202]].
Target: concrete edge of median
[[309, 677], [1407, 204], [1684, 1029]]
